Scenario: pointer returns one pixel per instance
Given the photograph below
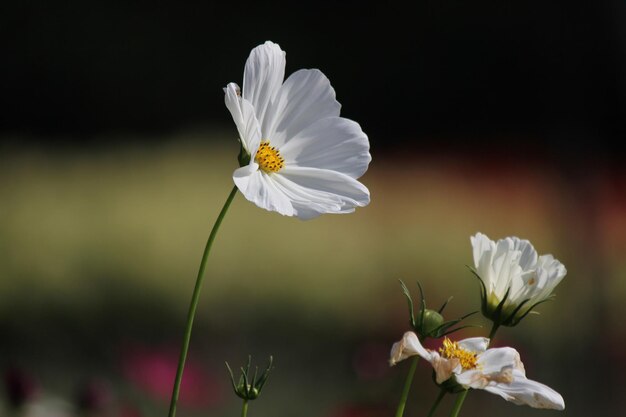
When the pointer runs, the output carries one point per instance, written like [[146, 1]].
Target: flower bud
[[432, 320], [513, 278], [430, 323], [249, 387]]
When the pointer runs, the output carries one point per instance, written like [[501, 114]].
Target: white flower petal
[[305, 97], [523, 391], [472, 378], [308, 203], [409, 346], [263, 76], [323, 186], [444, 368], [483, 249], [528, 254], [495, 360], [331, 143], [505, 265], [259, 188], [550, 272], [244, 117], [474, 344]]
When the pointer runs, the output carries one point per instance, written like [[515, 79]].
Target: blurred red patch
[[153, 371]]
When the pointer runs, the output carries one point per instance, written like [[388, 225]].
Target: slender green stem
[[442, 393], [194, 303], [493, 331], [459, 403], [407, 387], [244, 408]]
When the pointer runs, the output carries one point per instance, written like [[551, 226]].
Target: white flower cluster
[[514, 279]]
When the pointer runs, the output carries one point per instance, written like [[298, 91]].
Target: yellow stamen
[[452, 350], [269, 158]]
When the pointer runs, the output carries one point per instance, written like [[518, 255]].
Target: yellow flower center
[[269, 158], [452, 350]]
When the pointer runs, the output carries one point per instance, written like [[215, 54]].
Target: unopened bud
[[432, 321]]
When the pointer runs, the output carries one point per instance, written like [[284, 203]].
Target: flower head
[[514, 279], [469, 364], [298, 157]]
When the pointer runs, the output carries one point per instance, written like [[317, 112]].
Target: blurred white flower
[[299, 158], [471, 365], [514, 279]]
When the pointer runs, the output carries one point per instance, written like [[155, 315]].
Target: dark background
[[116, 152], [541, 75]]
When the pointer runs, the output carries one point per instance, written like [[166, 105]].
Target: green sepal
[[422, 307], [515, 320], [232, 379], [443, 329], [409, 300], [243, 157], [483, 292], [444, 304]]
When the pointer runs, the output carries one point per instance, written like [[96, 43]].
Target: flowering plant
[[513, 281], [297, 157]]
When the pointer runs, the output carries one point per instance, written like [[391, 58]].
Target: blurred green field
[[99, 250]]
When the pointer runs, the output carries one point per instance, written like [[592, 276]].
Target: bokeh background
[[116, 153]]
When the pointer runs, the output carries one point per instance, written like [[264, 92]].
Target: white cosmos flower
[[304, 160], [498, 370], [513, 274]]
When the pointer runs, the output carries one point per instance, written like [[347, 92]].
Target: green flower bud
[[432, 320], [430, 323], [249, 387]]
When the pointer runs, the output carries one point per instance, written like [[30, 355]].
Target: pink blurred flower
[[154, 370]]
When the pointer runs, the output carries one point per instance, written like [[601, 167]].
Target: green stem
[[459, 403], [407, 387], [493, 331], [244, 408], [442, 393], [194, 303]]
